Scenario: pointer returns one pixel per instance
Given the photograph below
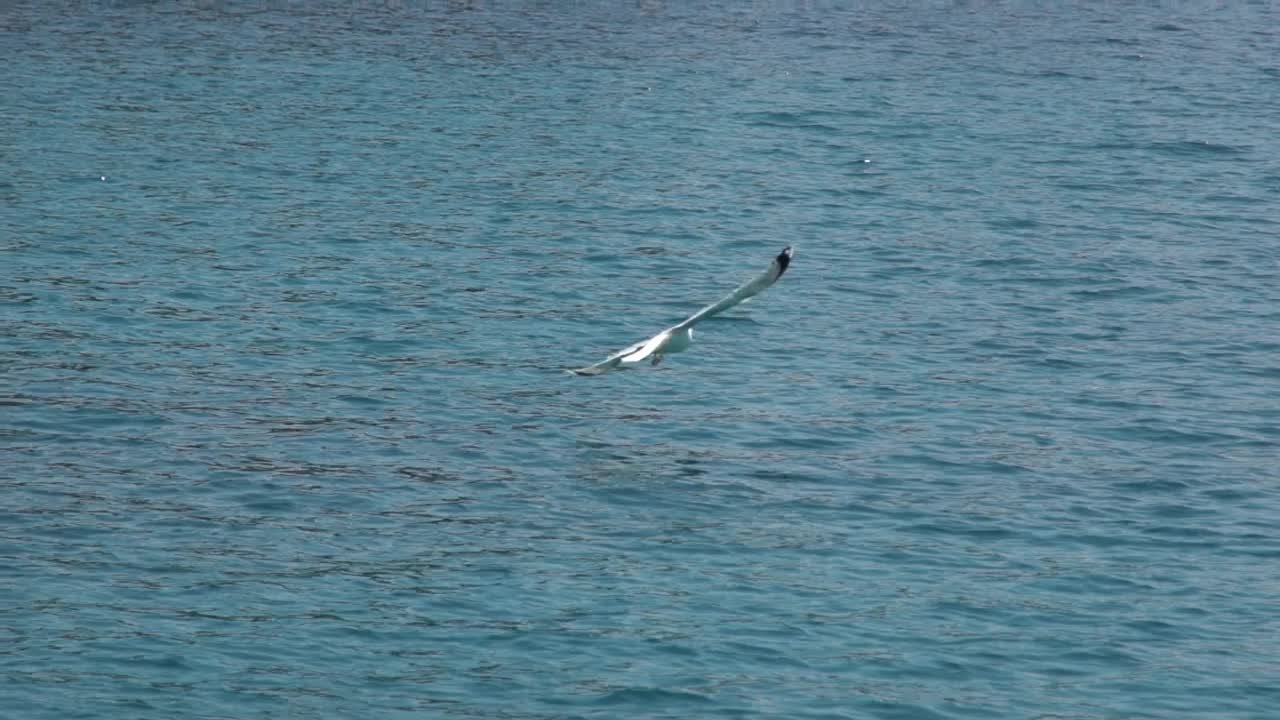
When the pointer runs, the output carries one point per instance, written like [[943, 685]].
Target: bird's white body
[[678, 337]]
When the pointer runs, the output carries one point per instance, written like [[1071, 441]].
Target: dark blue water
[[288, 291]]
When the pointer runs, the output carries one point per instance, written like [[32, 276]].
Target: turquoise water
[[288, 291]]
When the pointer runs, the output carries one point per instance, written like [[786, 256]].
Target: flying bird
[[677, 337]]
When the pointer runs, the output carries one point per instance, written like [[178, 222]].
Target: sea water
[[289, 289]]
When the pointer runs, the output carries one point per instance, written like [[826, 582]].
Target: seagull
[[677, 337]]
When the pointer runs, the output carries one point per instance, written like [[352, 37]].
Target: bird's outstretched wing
[[645, 349], [745, 291], [632, 354]]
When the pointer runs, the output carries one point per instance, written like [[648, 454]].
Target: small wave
[[1013, 223], [648, 696], [1186, 148], [1113, 293], [1006, 262], [810, 120]]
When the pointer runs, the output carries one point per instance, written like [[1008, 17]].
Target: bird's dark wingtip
[[783, 260]]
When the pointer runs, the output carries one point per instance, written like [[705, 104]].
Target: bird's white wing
[[745, 291], [649, 347], [631, 354]]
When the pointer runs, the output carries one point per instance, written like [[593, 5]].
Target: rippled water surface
[[289, 288]]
